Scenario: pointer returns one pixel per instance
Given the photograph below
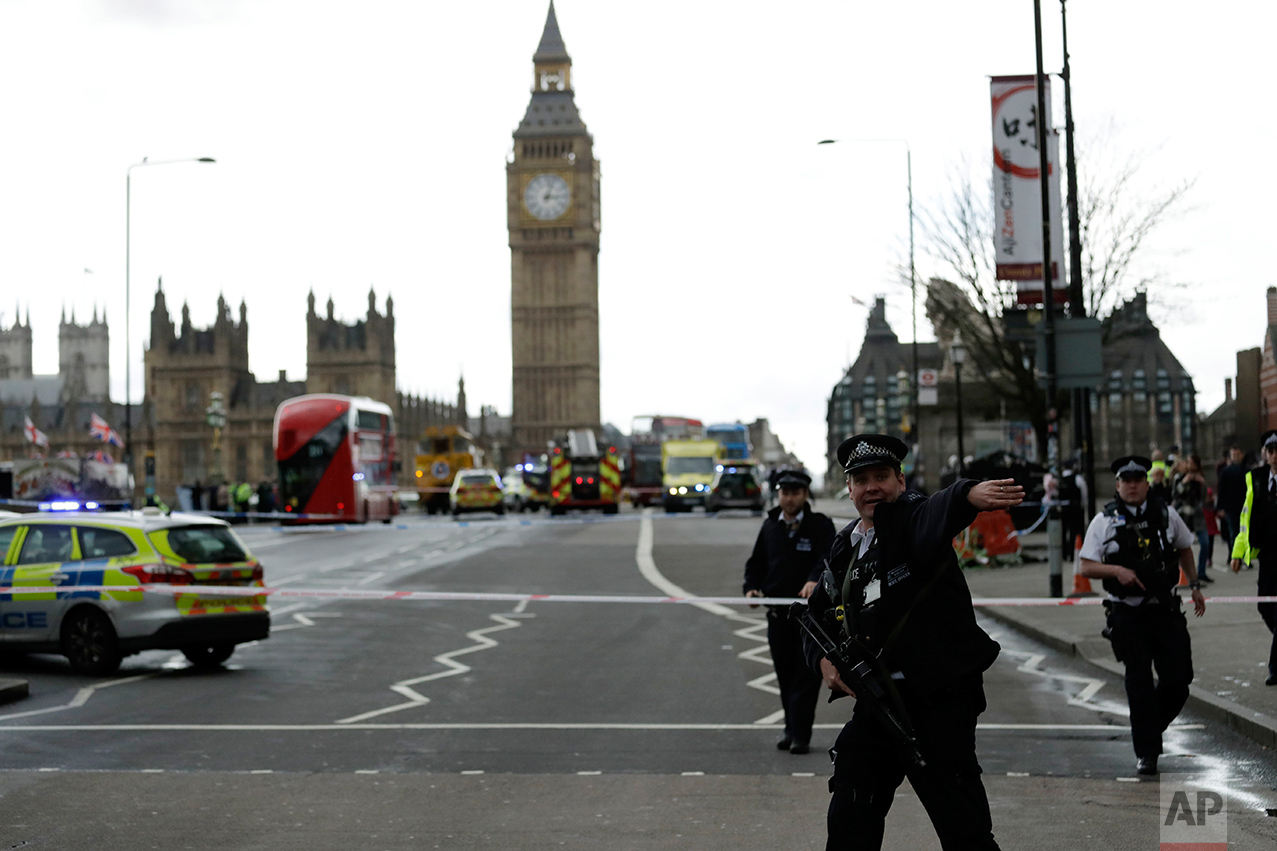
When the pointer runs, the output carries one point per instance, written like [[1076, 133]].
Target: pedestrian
[[896, 579], [1070, 490], [1137, 546], [1212, 526], [788, 558], [1158, 486], [1257, 539], [1188, 494], [1231, 496], [265, 497], [197, 496]]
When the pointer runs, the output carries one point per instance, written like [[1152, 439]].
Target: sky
[[364, 145]]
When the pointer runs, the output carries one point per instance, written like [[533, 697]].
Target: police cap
[[1136, 465], [871, 450], [794, 479], [1269, 439]]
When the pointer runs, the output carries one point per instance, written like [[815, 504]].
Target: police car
[[96, 629], [476, 490]]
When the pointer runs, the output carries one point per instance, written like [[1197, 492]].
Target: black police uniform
[[784, 560], [1257, 542], [906, 595], [1146, 627]]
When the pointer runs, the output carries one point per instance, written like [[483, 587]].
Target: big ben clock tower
[[552, 201]]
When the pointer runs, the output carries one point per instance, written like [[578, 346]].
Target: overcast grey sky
[[364, 145]]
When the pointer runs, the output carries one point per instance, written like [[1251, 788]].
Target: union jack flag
[[100, 429], [34, 435], [102, 457]]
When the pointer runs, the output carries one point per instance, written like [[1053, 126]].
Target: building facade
[[553, 217]]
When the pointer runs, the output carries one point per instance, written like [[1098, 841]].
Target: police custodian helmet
[[1269, 439], [1136, 465], [871, 450]]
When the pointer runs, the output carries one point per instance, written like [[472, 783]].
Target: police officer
[[1138, 546], [897, 580], [787, 560], [1257, 539]]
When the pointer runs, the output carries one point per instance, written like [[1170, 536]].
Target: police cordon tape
[[509, 597]]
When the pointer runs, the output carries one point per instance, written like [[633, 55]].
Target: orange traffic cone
[[1081, 584]]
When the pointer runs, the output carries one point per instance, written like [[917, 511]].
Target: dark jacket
[[940, 642], [782, 563], [1232, 491]]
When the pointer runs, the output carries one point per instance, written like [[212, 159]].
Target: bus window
[[370, 420], [300, 472]]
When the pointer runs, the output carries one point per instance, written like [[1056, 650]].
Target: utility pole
[[1053, 529], [1083, 442]]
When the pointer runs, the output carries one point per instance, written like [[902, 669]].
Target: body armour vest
[[861, 594], [1142, 546]]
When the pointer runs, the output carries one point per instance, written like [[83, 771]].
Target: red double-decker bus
[[336, 457]]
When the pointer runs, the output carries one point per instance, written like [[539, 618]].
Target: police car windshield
[[477, 480], [206, 544]]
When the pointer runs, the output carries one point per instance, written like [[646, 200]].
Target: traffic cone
[[1081, 584]]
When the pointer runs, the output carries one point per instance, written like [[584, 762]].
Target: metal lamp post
[[913, 281], [215, 416], [128, 371], [958, 354]]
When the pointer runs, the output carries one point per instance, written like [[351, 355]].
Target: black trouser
[[868, 767], [1148, 638], [1268, 611], [799, 685]]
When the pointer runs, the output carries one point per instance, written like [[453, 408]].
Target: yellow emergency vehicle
[[95, 629], [687, 472], [584, 476], [442, 451]]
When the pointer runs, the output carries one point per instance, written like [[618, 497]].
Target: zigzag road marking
[[448, 660], [754, 624], [81, 697]]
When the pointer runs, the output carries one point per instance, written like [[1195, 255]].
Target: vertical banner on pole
[[1017, 193]]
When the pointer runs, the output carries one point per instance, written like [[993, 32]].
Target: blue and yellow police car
[[77, 556]]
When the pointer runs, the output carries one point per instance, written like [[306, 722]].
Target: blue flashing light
[[719, 468], [359, 477], [92, 506], [60, 505]]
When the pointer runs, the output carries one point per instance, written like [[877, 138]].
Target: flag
[[101, 457], [34, 435], [99, 428]]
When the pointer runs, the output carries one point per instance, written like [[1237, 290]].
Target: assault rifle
[[852, 660]]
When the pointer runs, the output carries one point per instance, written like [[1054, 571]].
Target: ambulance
[[162, 560]]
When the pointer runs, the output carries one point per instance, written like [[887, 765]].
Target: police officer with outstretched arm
[[895, 587], [1138, 546], [787, 560]]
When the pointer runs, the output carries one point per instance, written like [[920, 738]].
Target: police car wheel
[[208, 655], [90, 643]]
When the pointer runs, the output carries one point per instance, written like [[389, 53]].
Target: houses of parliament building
[[184, 365]]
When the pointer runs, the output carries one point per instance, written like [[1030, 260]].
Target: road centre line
[[1107, 729]]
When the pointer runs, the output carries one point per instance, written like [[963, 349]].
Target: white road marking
[[1091, 685], [415, 698], [81, 697], [372, 577], [754, 624]]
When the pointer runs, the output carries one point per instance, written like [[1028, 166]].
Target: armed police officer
[[787, 560], [898, 595], [1138, 546], [1256, 524]]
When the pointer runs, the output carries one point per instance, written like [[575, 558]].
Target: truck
[[687, 471], [441, 452], [583, 476], [733, 441]]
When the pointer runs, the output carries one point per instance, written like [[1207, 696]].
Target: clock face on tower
[[547, 196]]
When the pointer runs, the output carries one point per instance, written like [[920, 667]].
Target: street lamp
[[215, 416], [958, 355], [128, 221], [913, 277]]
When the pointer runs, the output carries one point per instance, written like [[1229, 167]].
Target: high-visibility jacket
[[1259, 513]]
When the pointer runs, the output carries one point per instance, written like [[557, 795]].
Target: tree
[[1118, 216]]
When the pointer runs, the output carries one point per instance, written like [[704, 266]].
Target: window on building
[[1164, 405], [1115, 388], [192, 398], [1138, 386], [241, 462], [1163, 380]]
